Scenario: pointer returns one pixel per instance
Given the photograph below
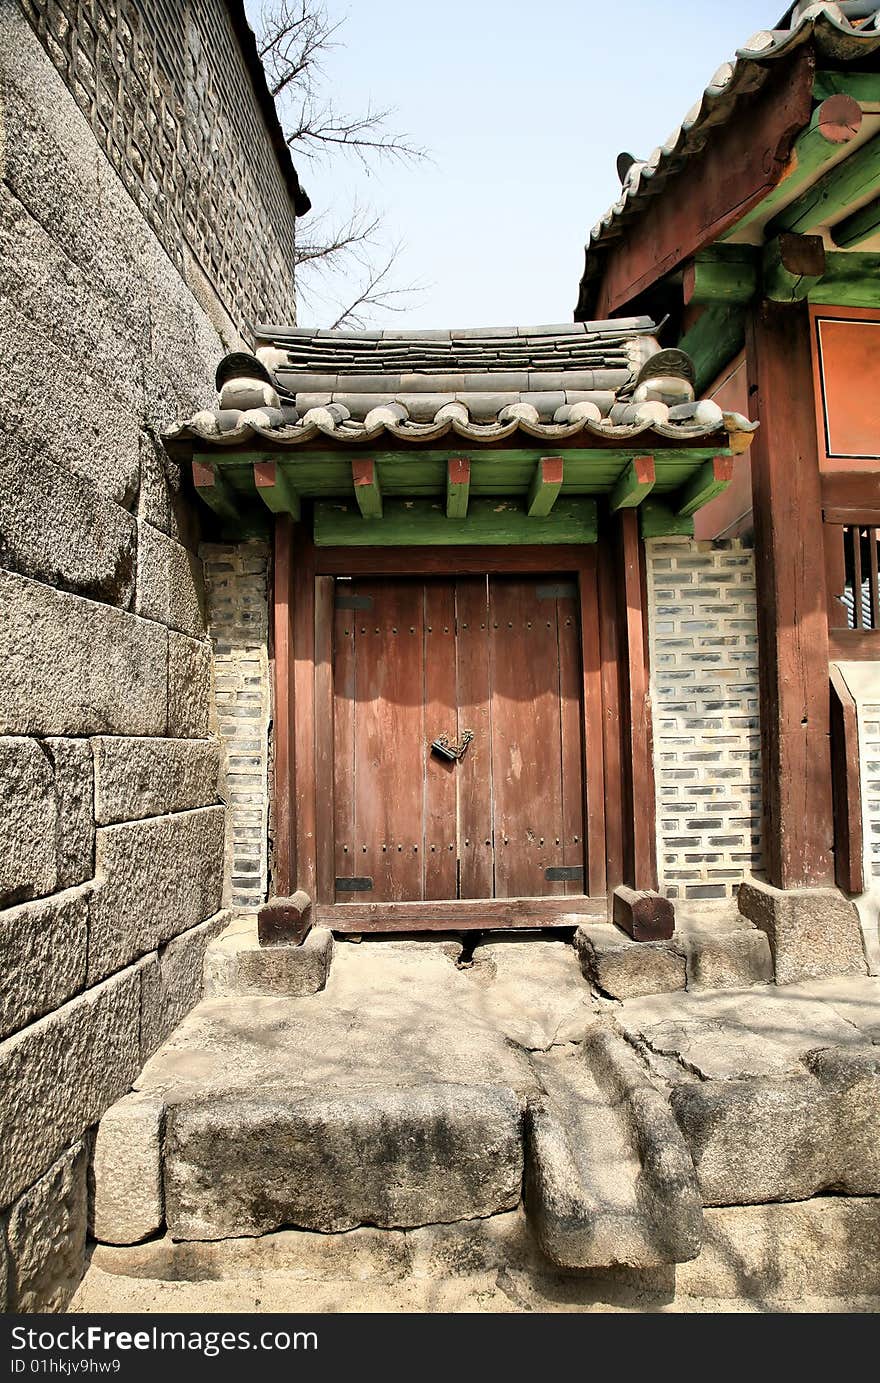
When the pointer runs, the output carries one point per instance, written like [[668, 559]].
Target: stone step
[[717, 953], [236, 963], [609, 1180]]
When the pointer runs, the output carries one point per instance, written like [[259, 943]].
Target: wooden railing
[[851, 554]]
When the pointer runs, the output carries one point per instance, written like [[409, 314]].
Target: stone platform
[[426, 1088]]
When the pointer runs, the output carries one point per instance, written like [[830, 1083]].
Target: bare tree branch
[[344, 263]]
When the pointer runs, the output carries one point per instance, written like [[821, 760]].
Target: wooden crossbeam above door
[[458, 486], [367, 491], [421, 522], [545, 486]]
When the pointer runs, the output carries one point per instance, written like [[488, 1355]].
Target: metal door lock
[[451, 752]]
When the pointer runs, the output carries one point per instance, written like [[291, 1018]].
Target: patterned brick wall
[[166, 90], [236, 583], [870, 717], [704, 660]]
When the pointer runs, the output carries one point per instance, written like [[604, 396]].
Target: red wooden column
[[792, 606], [282, 642], [640, 839]]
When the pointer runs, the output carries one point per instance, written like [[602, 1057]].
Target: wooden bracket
[[644, 916], [637, 481], [275, 489], [458, 485], [212, 487], [367, 491], [285, 921], [709, 481], [792, 266], [545, 487]]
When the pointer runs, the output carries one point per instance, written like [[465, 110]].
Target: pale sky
[[524, 107]]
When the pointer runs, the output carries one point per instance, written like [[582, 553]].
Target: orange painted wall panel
[[846, 360]]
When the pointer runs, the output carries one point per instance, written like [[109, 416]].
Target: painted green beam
[[658, 520], [458, 487], [545, 486], [710, 480], [852, 279], [835, 193], [835, 123], [421, 523], [856, 229], [367, 491], [863, 87], [636, 483], [275, 489], [792, 265], [214, 489], [725, 274], [715, 338]]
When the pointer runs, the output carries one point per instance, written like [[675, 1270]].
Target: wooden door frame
[[304, 729]]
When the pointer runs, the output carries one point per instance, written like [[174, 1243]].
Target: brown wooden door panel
[[439, 830], [474, 773], [419, 659], [526, 739]]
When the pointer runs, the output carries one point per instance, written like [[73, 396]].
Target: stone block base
[[236, 964], [626, 969], [812, 932]]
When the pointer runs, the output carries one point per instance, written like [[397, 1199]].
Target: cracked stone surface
[[734, 1034]]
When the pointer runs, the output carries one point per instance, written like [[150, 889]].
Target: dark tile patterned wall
[[166, 90]]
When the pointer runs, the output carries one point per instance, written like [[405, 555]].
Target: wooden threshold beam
[[275, 489], [213, 488], [545, 487], [458, 487], [367, 491], [636, 483], [524, 914]]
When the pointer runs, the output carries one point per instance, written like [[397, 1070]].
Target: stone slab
[[727, 960], [173, 982], [75, 798], [142, 777], [46, 1237], [155, 879], [43, 955], [331, 1162], [58, 528], [812, 932], [58, 1075], [189, 687], [781, 1138], [76, 667], [823, 1247], [170, 588], [127, 1202], [237, 964], [28, 821], [624, 969], [532, 990], [733, 1035]]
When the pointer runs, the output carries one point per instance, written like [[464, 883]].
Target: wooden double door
[[487, 669]]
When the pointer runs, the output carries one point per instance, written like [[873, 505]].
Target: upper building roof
[[558, 383], [842, 34]]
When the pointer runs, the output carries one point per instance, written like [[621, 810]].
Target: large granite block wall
[[111, 828]]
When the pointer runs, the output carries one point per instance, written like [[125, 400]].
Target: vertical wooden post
[[609, 644], [594, 756], [640, 837], [325, 587], [792, 601], [282, 640], [304, 701]]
